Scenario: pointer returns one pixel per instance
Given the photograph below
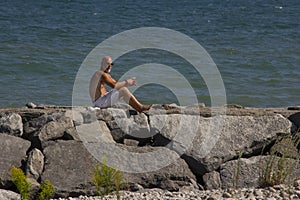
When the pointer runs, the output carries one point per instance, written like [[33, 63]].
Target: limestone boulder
[[69, 167], [171, 177], [206, 143], [146, 166], [13, 153], [11, 124]]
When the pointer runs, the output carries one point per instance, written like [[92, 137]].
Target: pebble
[[280, 192], [30, 105], [227, 195], [271, 189]]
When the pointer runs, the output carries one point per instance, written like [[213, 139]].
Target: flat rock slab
[[13, 152], [208, 142]]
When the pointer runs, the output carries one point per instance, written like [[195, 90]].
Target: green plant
[[23, 186], [118, 178], [19, 179], [107, 179], [46, 191], [279, 165], [237, 171]]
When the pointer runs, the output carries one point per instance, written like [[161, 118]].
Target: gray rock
[[104, 115], [30, 105], [208, 142], [71, 134], [11, 124], [286, 146], [9, 195], [133, 125], [35, 124], [13, 152], [55, 129], [35, 163], [246, 172], [179, 129], [94, 132], [171, 178], [146, 166], [89, 116], [212, 180], [109, 114], [123, 124], [50, 126], [69, 167], [118, 135], [34, 187], [130, 142], [76, 115]]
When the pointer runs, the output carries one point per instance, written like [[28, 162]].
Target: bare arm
[[117, 85]]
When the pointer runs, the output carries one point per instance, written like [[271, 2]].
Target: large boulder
[[69, 167], [147, 166], [171, 177], [208, 142], [11, 124], [245, 172], [13, 153]]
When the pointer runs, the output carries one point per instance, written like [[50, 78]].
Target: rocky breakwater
[[169, 147]]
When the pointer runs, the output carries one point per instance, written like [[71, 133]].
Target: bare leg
[[131, 100]]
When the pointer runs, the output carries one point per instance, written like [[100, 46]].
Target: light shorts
[[109, 99]]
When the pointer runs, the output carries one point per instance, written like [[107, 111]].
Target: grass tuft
[[19, 179], [24, 187], [281, 161], [46, 191], [107, 179]]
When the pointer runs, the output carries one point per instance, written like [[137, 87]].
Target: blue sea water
[[255, 45]]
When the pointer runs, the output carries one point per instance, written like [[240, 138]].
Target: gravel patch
[[279, 192]]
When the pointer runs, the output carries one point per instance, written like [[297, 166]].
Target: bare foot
[[144, 108]]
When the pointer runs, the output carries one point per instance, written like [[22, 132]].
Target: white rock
[[9, 195]]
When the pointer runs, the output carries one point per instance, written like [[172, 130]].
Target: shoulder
[[100, 74]]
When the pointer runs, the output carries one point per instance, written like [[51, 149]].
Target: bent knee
[[123, 89]]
